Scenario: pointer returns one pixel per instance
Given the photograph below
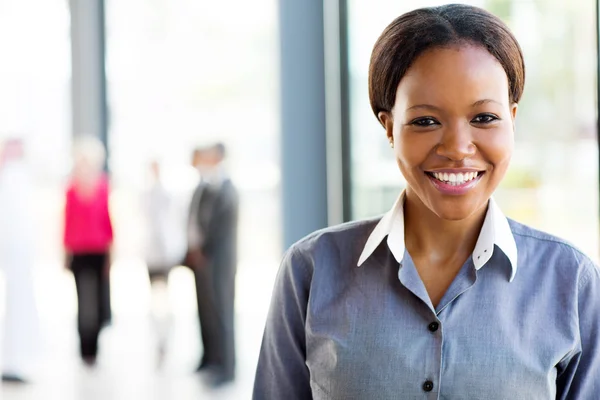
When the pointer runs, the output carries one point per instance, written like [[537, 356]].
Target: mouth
[[455, 178], [454, 182]]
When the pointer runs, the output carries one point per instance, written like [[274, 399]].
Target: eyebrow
[[432, 107], [485, 101], [424, 106]]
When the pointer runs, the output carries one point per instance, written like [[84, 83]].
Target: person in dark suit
[[212, 255]]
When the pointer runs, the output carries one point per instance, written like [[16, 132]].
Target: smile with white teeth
[[455, 179]]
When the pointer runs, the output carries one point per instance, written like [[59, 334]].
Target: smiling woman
[[450, 293]]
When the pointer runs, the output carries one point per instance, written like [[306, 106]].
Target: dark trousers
[[89, 270], [215, 291], [106, 307]]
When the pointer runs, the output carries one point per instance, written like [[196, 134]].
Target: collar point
[[361, 261]]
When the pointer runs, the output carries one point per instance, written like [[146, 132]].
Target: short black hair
[[220, 149], [409, 35]]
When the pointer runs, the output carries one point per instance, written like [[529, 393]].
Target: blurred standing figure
[[161, 249], [212, 254], [156, 204], [21, 324], [88, 237]]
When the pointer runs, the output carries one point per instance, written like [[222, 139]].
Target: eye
[[424, 122], [485, 118]]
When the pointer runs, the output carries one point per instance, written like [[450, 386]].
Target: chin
[[455, 210]]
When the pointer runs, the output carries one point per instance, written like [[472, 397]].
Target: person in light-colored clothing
[[164, 247], [160, 250], [20, 330]]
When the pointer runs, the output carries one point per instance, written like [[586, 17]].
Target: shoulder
[[227, 190], [326, 255], [229, 187], [537, 247], [335, 245], [342, 235]]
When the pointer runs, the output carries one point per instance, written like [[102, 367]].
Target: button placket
[[434, 328]]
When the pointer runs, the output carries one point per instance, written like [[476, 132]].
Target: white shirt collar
[[495, 231], [215, 176]]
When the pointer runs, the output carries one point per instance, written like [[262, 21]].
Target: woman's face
[[452, 127]]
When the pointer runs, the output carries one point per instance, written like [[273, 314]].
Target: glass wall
[[553, 180], [180, 73], [35, 105], [183, 73]]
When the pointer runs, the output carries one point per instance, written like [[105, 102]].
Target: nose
[[456, 143]]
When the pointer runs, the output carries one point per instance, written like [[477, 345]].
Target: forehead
[[204, 154], [456, 74]]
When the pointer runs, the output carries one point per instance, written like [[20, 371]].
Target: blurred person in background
[[212, 255], [17, 227], [88, 236], [443, 296], [161, 249]]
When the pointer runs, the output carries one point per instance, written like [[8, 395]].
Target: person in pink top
[[88, 237]]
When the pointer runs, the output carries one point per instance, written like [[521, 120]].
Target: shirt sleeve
[[282, 372], [580, 380]]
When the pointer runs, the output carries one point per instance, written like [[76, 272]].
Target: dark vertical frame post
[[88, 82], [345, 115], [337, 86], [303, 125], [88, 86]]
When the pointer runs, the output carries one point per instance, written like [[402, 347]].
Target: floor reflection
[[128, 365]]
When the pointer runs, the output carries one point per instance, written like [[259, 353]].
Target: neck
[[436, 238], [214, 175]]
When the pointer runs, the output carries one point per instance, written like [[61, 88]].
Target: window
[[184, 73]]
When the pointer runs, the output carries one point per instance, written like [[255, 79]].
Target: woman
[[156, 206], [88, 236], [443, 297], [161, 251]]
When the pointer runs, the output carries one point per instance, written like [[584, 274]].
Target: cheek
[[412, 149], [496, 147]]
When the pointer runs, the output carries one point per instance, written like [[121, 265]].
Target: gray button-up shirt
[[501, 331]]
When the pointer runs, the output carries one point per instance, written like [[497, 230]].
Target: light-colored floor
[[128, 366]]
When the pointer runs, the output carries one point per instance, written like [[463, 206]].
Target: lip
[[446, 188]]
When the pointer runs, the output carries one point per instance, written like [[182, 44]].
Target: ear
[[387, 120], [513, 113]]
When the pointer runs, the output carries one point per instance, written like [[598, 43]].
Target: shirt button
[[433, 327], [428, 386]]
